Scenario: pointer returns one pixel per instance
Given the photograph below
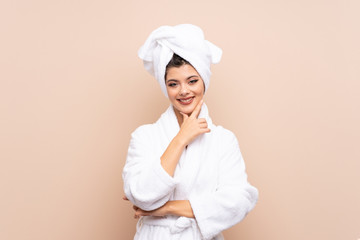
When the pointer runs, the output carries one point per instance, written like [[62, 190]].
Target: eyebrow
[[174, 80], [192, 76]]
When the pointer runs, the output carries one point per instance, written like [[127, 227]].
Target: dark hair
[[176, 61]]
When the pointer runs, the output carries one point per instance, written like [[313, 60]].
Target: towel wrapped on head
[[187, 41]]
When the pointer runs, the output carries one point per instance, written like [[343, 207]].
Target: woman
[[185, 176]]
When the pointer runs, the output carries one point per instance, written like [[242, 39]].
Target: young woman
[[185, 176]]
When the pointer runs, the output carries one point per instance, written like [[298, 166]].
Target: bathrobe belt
[[176, 224]]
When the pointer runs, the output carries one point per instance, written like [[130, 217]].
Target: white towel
[[187, 41]]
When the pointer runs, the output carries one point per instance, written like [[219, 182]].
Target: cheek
[[171, 93], [200, 90]]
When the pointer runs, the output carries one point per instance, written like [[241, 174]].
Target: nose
[[184, 90]]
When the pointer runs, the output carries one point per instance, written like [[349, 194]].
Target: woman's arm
[[177, 207], [172, 154], [191, 127], [233, 198], [148, 183]]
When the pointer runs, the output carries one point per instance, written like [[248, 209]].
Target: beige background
[[72, 90]]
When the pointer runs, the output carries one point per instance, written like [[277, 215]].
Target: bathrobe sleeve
[[233, 197], [146, 184]]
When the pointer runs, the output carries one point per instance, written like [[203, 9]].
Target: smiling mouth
[[186, 101]]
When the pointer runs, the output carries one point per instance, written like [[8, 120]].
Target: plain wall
[[72, 90]]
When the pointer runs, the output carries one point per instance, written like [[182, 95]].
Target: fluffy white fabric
[[187, 41], [210, 174]]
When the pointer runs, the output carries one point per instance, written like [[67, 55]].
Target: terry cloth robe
[[210, 174]]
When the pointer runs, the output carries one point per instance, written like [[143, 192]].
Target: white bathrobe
[[210, 174]]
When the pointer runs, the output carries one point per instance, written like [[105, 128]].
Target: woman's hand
[[192, 126], [160, 212], [177, 208]]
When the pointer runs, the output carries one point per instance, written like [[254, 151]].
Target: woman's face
[[185, 88]]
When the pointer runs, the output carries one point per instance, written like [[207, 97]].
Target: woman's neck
[[178, 115]]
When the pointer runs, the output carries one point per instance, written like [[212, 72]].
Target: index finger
[[197, 109]]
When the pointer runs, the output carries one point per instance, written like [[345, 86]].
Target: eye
[[193, 81], [172, 84]]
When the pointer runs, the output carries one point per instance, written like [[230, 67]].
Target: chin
[[185, 109]]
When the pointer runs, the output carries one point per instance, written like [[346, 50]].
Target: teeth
[[185, 100]]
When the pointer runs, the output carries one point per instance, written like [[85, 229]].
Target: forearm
[[180, 208], [191, 127], [172, 154]]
